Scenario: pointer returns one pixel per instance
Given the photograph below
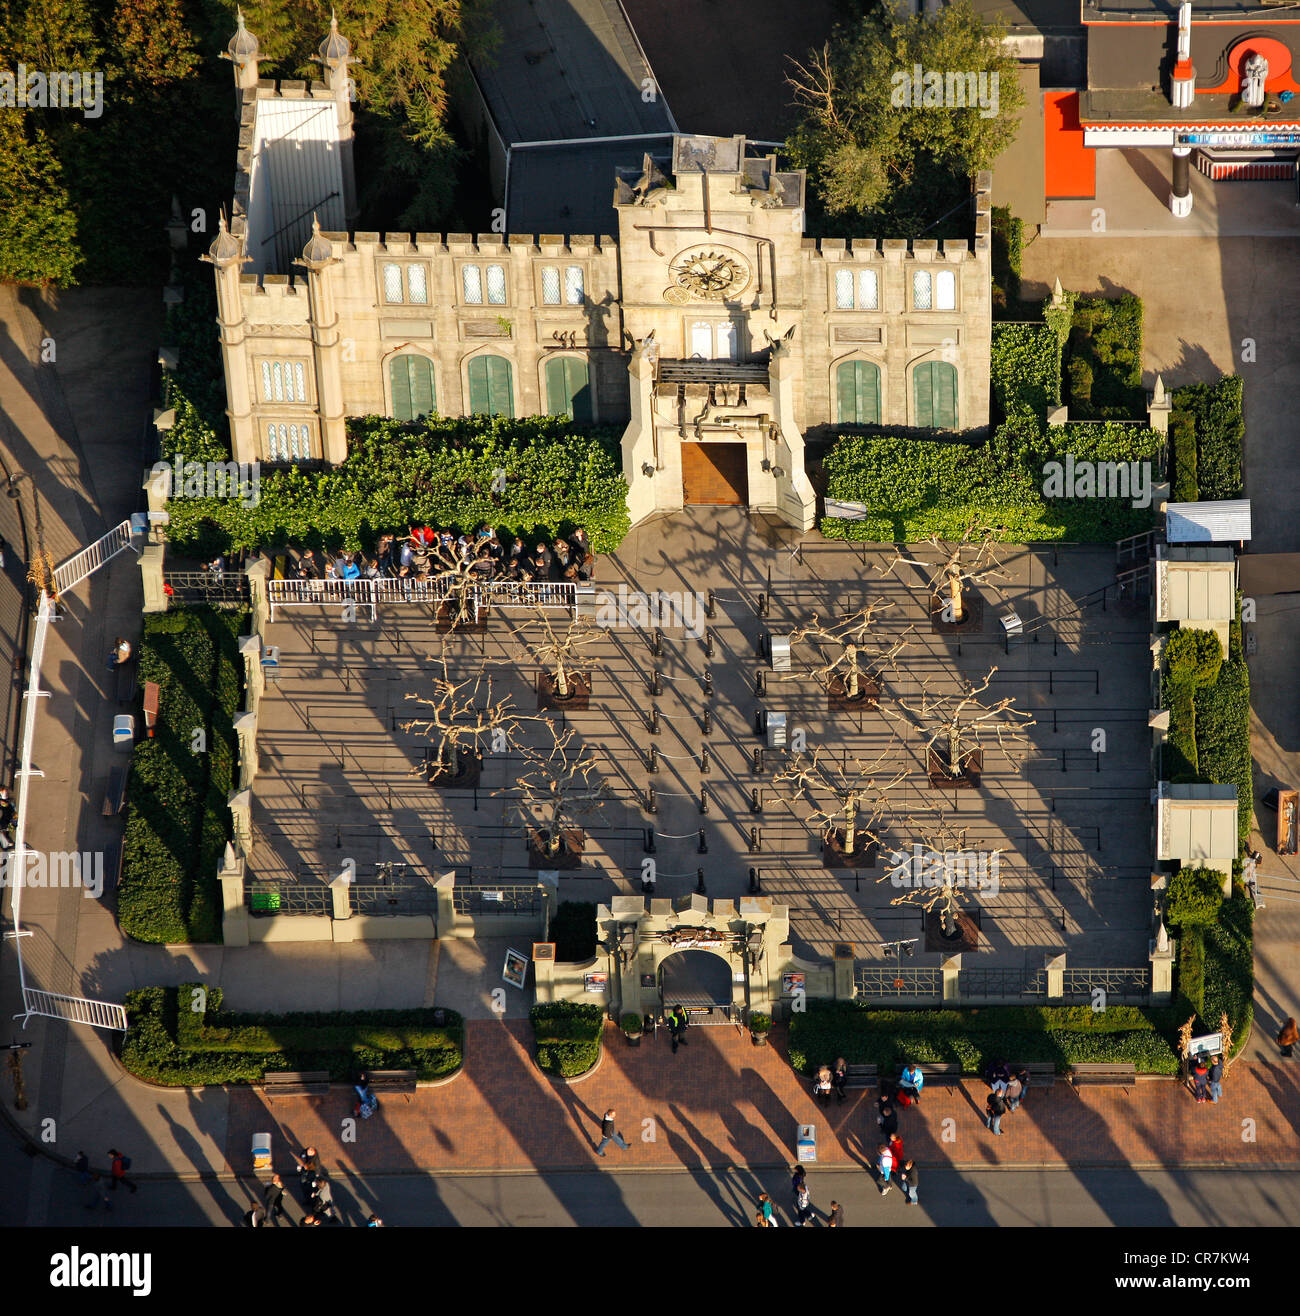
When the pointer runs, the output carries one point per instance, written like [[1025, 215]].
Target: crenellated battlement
[[893, 250]]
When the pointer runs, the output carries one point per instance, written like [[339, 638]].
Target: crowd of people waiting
[[424, 552]]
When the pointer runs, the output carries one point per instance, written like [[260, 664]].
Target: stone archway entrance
[[700, 981]]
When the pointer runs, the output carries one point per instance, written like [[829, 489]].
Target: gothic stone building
[[708, 327]]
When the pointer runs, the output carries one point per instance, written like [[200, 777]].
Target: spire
[[243, 45], [335, 49], [226, 248], [1158, 399], [318, 252]]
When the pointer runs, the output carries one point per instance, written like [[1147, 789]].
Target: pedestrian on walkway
[[87, 1178], [1200, 1078], [887, 1117], [119, 1166], [677, 1025], [1288, 1037], [1022, 1073], [840, 1076], [822, 1085], [803, 1207], [765, 1212], [254, 1217], [996, 1105], [8, 816], [884, 1166], [896, 1150], [997, 1075], [798, 1181], [609, 1133], [1216, 1078], [273, 1200], [1014, 1093], [374, 1222], [907, 1181], [910, 1083], [308, 1170], [836, 1217], [120, 654]]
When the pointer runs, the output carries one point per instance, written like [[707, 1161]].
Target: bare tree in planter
[[851, 659], [857, 796], [563, 653], [957, 726], [970, 561], [557, 790], [461, 576], [935, 876], [462, 719]]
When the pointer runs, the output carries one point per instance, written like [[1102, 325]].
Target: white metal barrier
[[387, 591], [72, 572]]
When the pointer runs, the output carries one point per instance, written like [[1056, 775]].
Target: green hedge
[[972, 1038], [914, 488], [1216, 412], [1104, 359], [438, 472], [1006, 255], [1193, 657], [1195, 895], [1026, 368], [1182, 446], [168, 1042], [1223, 732], [567, 1037], [177, 820], [1230, 967], [1191, 971], [1178, 753]]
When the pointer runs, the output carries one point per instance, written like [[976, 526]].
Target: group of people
[[1007, 1089], [803, 1210], [317, 1195], [425, 552]]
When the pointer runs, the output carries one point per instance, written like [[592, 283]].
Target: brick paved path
[[722, 1102]]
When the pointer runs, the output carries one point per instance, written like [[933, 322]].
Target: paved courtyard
[[340, 776]]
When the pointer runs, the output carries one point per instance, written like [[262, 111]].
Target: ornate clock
[[709, 273]]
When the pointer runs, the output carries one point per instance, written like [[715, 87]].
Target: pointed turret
[[242, 53]]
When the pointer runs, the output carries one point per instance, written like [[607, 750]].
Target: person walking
[[910, 1083], [896, 1151], [803, 1207], [997, 1075], [1022, 1073], [1015, 1091], [798, 1181], [1288, 1037], [996, 1105], [907, 1181], [884, 1166], [836, 1217], [677, 1025], [887, 1117], [273, 1200], [1200, 1078], [119, 1165], [254, 1217], [840, 1076], [1216, 1078], [822, 1085], [765, 1211], [609, 1133], [308, 1171]]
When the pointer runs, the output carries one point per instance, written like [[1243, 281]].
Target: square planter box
[[971, 766], [572, 842], [972, 621], [578, 698], [865, 851], [968, 930], [838, 698]]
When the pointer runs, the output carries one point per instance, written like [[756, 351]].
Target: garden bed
[[568, 1037]]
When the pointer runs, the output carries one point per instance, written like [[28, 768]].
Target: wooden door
[[714, 473]]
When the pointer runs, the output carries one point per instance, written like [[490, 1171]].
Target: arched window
[[857, 387], [413, 392], [568, 388], [491, 386], [934, 387]]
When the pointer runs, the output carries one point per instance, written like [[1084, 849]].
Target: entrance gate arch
[[701, 982]]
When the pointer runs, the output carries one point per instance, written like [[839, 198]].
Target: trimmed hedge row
[[1185, 487], [1216, 415], [1223, 731], [1104, 359], [1006, 255], [973, 1038], [177, 822], [168, 1042], [1191, 970], [567, 1037], [1230, 967], [1026, 368]]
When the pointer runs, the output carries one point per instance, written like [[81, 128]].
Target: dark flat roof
[[567, 69], [1037, 15], [1155, 11]]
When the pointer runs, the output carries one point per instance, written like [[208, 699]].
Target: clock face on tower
[[709, 273]]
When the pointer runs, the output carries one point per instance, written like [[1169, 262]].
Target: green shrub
[[1080, 386], [1025, 368], [760, 1023], [1193, 657], [632, 1023], [177, 820], [1178, 753], [573, 930], [1230, 967], [567, 1036], [1182, 444], [1195, 895], [1223, 731], [1106, 337], [1191, 970], [440, 472], [1216, 411], [1007, 246], [168, 1042]]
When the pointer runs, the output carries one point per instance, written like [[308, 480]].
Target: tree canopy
[[898, 113]]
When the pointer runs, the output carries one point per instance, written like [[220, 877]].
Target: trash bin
[[775, 723], [261, 1151], [779, 648], [806, 1144], [124, 731]]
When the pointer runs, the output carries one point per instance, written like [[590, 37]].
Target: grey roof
[[1208, 523], [567, 69], [1035, 15], [570, 189], [1118, 11]]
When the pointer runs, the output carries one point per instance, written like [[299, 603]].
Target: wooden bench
[[940, 1076], [115, 795], [1099, 1075], [126, 682], [400, 1081], [861, 1076], [1042, 1075], [311, 1083]]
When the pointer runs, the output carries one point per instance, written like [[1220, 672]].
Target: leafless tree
[[971, 560], [563, 652], [558, 788], [849, 655], [954, 725], [813, 85], [461, 574], [938, 870], [850, 799], [462, 716]]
